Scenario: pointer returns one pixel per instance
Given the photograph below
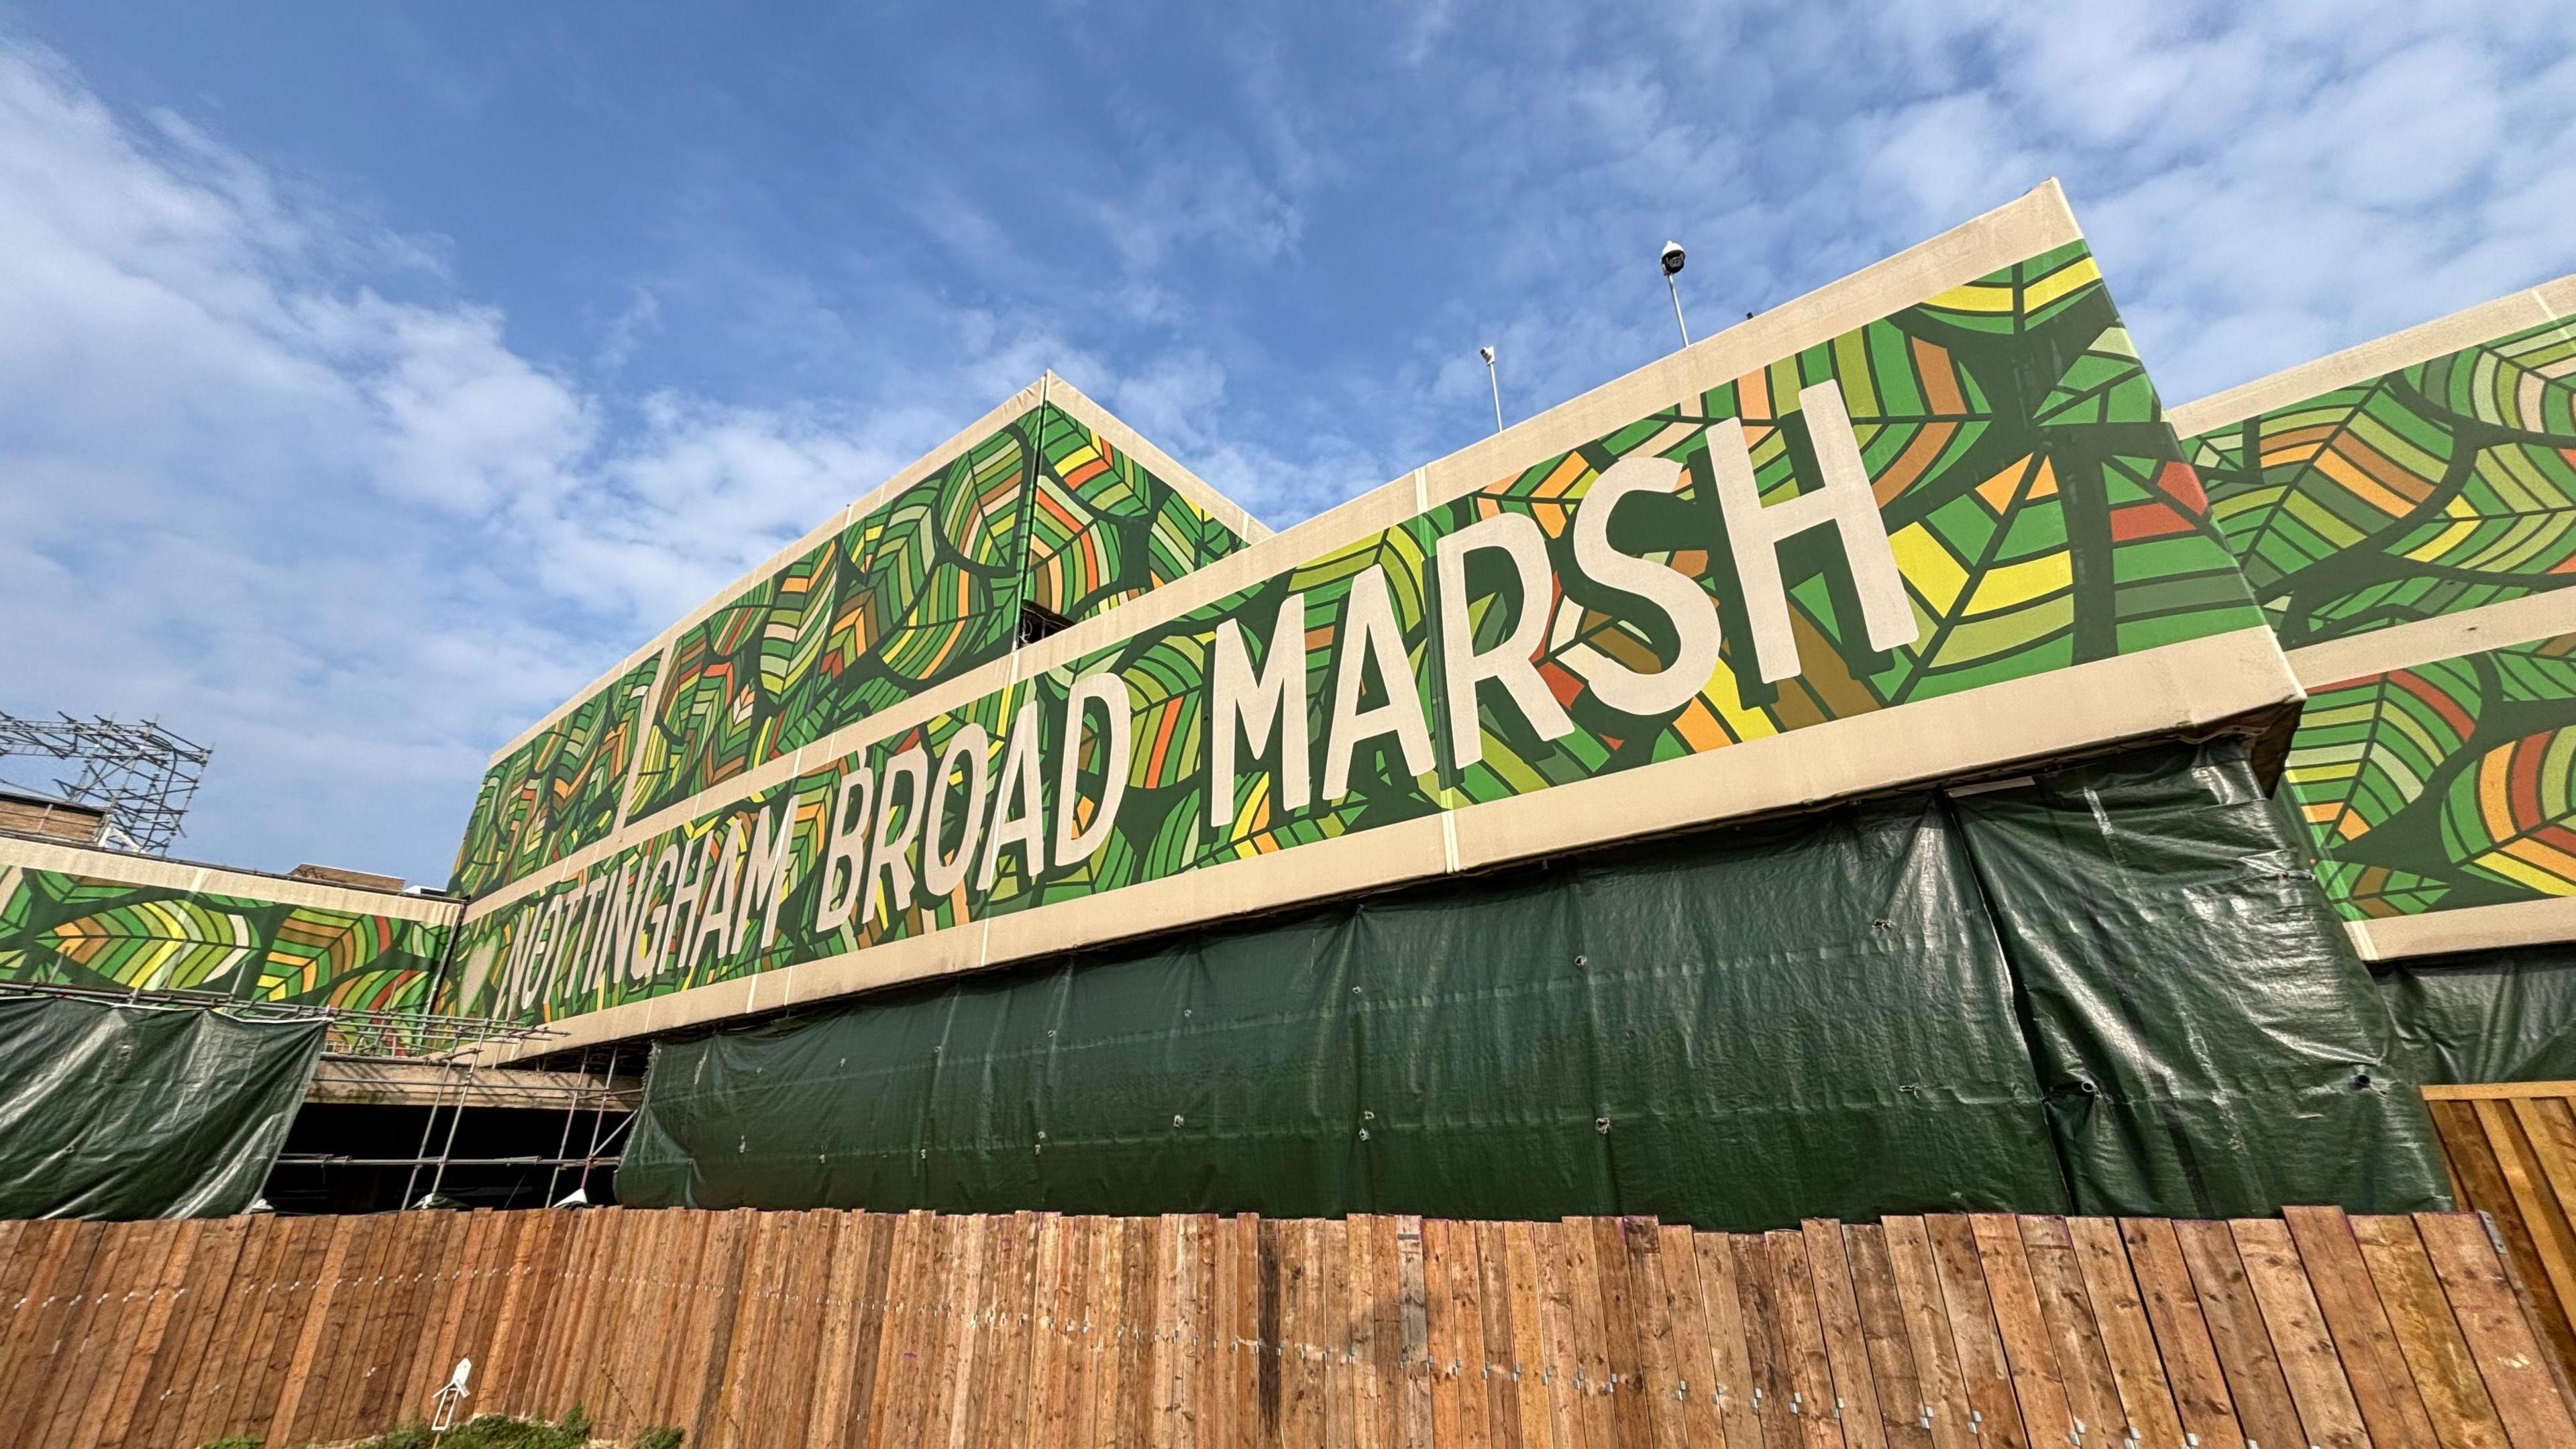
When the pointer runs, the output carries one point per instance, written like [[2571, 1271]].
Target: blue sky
[[371, 377]]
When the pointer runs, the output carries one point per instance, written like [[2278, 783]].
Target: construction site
[[1870, 884]]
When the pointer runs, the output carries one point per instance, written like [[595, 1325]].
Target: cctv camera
[[1486, 353], [1673, 256]]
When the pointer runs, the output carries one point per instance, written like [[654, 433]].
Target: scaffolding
[[456, 1045], [142, 775]]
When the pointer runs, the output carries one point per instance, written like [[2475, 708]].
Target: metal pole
[[563, 1144], [599, 1122], [1492, 381], [428, 1126], [449, 1146], [1675, 287]]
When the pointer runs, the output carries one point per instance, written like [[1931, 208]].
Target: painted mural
[[2424, 491], [558, 792], [2430, 490], [81, 930], [921, 589], [1102, 529], [1976, 489], [2445, 785]]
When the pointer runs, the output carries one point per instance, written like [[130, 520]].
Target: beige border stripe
[[2444, 636], [2471, 928], [2198, 685], [2023, 228], [157, 874], [2482, 323]]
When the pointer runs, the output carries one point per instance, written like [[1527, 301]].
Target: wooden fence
[[2512, 1150], [848, 1329]]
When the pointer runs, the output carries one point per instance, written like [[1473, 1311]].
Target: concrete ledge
[[2444, 636], [2472, 928]]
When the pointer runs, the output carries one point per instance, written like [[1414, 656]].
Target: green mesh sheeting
[[1823, 1015], [2486, 1016], [110, 1111], [2209, 1044]]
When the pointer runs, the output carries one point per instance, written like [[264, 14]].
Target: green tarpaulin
[[2491, 1016], [2209, 1044], [130, 1111], [2099, 992]]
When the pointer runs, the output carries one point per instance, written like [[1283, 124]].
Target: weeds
[[494, 1431]]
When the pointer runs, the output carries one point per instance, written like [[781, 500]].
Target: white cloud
[[264, 472], [349, 540]]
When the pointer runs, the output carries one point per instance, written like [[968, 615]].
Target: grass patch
[[493, 1431]]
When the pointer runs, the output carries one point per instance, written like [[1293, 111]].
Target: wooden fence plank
[[1473, 1342], [2480, 1176], [2545, 1220], [303, 1244], [62, 1396], [1594, 1383], [2192, 1366], [2315, 1373], [23, 1278], [1856, 1408], [2524, 1391], [166, 1393], [1414, 1319], [1659, 1370], [837, 1331], [1695, 1359], [1500, 1338], [1940, 1380], [219, 1377], [1535, 1414], [834, 1328], [2383, 1386], [809, 1305], [1551, 1257], [1802, 1335], [2437, 1358], [128, 1398], [1630, 1415], [686, 1248], [2254, 1379], [35, 1338], [2038, 1386], [1103, 1329], [2083, 1363], [1732, 1391], [1256, 1412], [87, 1300], [1902, 1404], [1210, 1373], [1774, 1376], [2128, 1338], [1984, 1370], [1370, 1384]]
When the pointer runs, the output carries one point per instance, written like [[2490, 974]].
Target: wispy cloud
[[350, 540], [270, 469]]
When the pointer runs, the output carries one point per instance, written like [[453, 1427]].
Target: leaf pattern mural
[[2044, 517], [2508, 815], [2366, 748], [86, 931], [922, 588], [557, 792], [2430, 489], [2431, 788]]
